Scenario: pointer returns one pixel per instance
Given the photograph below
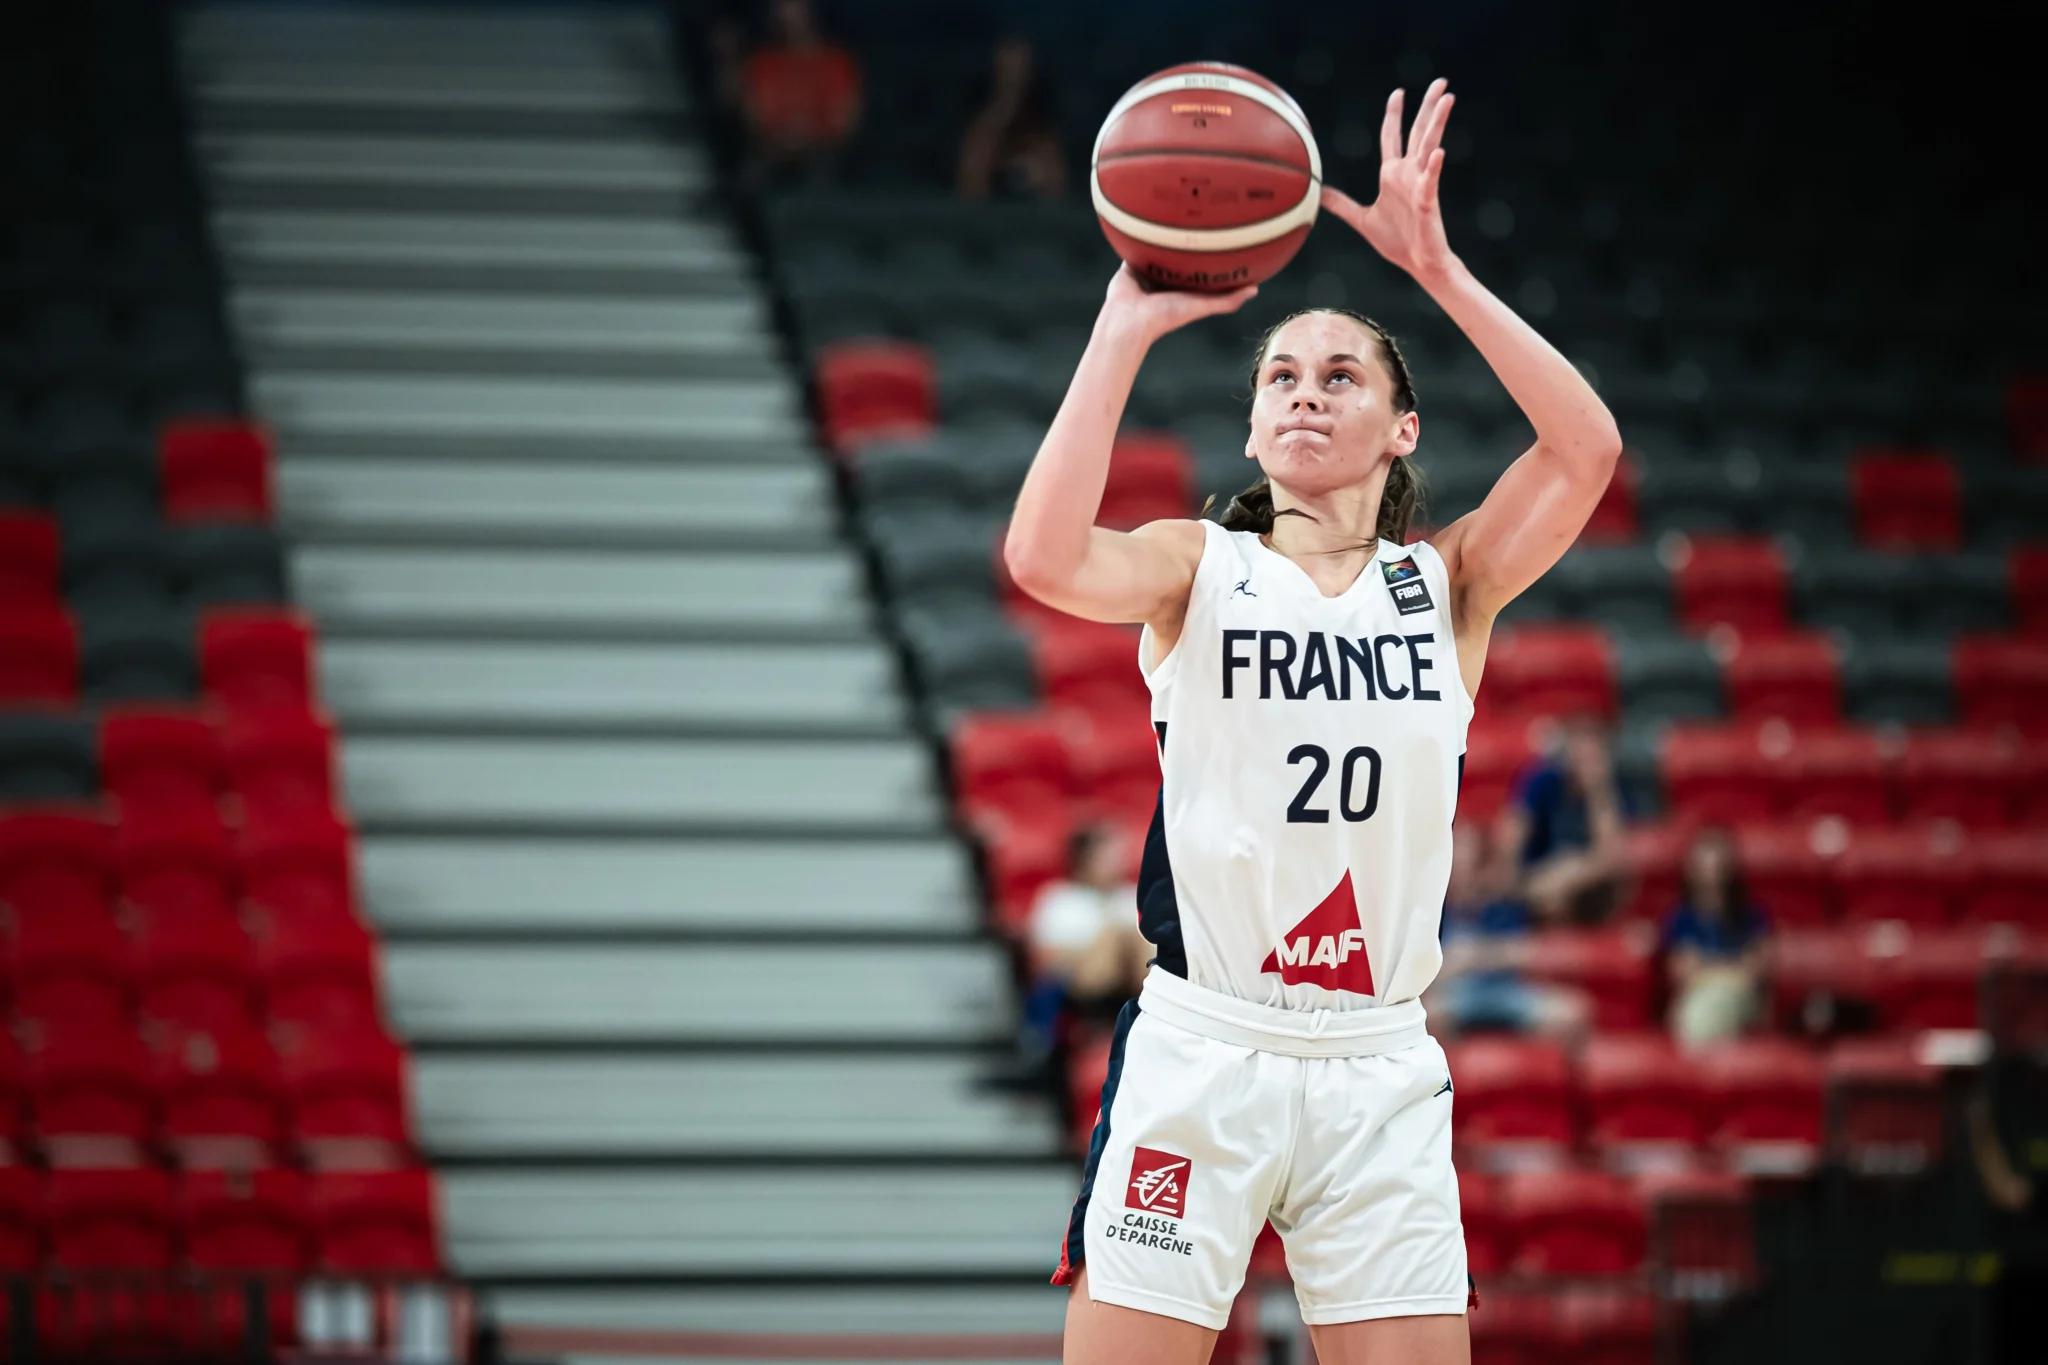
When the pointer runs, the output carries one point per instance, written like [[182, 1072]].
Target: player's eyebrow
[[1339, 355]]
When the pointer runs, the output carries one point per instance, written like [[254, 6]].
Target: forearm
[[1569, 418], [1062, 492]]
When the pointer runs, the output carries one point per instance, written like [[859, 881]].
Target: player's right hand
[[1151, 312]]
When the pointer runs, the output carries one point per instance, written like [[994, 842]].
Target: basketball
[[1206, 177]]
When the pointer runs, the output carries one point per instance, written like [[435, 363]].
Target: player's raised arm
[[1054, 549], [1539, 505]]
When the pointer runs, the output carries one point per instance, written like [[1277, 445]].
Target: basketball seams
[[1285, 108]]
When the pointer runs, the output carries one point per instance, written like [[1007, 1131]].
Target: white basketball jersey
[[1310, 753]]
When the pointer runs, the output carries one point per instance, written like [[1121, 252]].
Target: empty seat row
[[359, 1222], [178, 865], [236, 656], [223, 1096], [153, 761]]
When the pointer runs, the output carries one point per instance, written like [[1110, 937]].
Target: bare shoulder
[[1180, 537]]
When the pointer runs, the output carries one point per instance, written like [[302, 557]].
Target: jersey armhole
[[1162, 673], [1438, 575]]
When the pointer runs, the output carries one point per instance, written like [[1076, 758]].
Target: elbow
[[1026, 567]]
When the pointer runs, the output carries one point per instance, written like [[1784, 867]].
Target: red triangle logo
[[1327, 948]]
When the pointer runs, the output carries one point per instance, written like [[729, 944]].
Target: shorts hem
[[1367, 1310], [1162, 1304]]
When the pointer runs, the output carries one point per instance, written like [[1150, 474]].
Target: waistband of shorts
[[1294, 1033]]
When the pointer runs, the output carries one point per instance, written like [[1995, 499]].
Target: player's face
[[1323, 414]]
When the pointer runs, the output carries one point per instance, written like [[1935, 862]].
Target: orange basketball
[[1206, 177]]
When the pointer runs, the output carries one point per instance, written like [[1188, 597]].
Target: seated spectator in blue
[[1714, 945], [1485, 935], [1565, 823]]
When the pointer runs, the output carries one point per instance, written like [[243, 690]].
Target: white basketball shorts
[[1219, 1114]]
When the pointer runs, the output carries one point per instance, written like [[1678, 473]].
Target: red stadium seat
[[1932, 977], [1086, 1072], [111, 1219], [1814, 967], [2000, 680], [1613, 521], [195, 972], [1115, 758], [159, 756], [56, 861], [70, 970], [21, 1220], [1764, 1102], [177, 866], [298, 865], [1605, 1327], [1710, 772], [1010, 760], [1570, 1222], [1914, 873], [375, 1222], [280, 760], [245, 1221], [1486, 1231], [1088, 666], [318, 972], [2026, 411], [254, 657], [222, 1098], [2030, 588], [1702, 1231], [1516, 1329], [348, 1097], [1151, 476], [1884, 1106], [1736, 581], [1024, 850], [1654, 854], [28, 558], [1612, 966], [2010, 878], [13, 1101], [215, 469], [92, 1094], [1907, 500], [1550, 671], [1642, 1100], [1494, 755], [875, 390], [1838, 772], [38, 653], [1792, 677], [1975, 777], [1787, 872], [1513, 1099]]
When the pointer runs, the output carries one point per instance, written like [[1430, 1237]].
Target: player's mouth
[[1317, 428]]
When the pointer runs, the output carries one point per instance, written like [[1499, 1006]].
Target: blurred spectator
[[1714, 944], [1086, 954], [1485, 935], [1565, 822], [799, 94], [1012, 144]]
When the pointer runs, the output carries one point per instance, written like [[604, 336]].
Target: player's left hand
[[1405, 224]]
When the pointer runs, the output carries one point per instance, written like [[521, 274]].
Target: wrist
[[1124, 331], [1440, 272]]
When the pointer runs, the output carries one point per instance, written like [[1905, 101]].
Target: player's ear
[[1408, 434]]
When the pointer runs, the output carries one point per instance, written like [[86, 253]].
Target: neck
[[1346, 519]]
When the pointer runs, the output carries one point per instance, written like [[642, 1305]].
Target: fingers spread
[[1390, 130], [1440, 115], [1422, 113]]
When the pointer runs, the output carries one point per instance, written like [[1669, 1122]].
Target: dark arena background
[[532, 818]]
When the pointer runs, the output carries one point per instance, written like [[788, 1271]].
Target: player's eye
[[1343, 375], [1279, 375]]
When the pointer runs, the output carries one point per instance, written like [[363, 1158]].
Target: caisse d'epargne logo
[[1159, 1182]]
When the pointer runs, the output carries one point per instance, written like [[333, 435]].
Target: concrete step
[[483, 885], [515, 1107], [581, 783], [933, 996]]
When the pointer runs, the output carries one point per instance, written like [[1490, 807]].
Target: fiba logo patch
[[1405, 585], [1159, 1182]]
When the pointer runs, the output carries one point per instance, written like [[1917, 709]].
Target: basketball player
[[1312, 673]]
